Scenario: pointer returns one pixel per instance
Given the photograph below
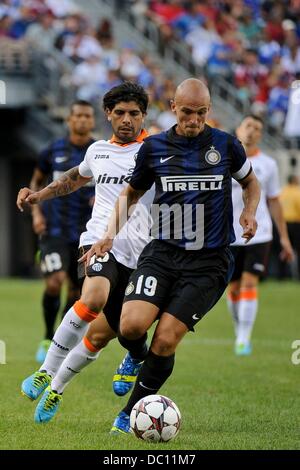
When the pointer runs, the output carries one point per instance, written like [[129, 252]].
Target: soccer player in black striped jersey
[[183, 272], [59, 222]]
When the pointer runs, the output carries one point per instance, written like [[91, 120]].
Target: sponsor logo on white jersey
[[107, 179], [192, 183], [98, 156]]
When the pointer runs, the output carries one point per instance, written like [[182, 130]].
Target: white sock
[[80, 357], [248, 306], [233, 307], [71, 330]]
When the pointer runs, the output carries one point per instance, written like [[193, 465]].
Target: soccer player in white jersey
[[250, 259], [84, 332]]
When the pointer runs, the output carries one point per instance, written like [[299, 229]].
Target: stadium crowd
[[253, 44], [98, 63]]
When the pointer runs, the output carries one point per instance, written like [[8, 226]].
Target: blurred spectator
[[274, 18], [71, 25], [19, 27], [248, 27], [166, 118], [201, 41], [250, 77], [131, 64], [80, 46], [278, 101], [166, 12], [89, 76], [61, 8], [5, 26], [188, 20], [268, 49], [8, 8], [292, 121], [104, 31], [222, 54], [42, 34], [291, 51]]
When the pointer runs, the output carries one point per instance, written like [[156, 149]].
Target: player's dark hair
[[126, 92], [80, 103], [255, 117]]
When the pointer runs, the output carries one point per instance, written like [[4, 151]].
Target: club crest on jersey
[[97, 267], [212, 156], [129, 288]]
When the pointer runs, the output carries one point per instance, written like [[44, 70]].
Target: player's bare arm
[[69, 182], [251, 197], [275, 208], [121, 213], [38, 182]]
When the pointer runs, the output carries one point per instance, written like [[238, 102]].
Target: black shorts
[[294, 234], [250, 258], [118, 276], [186, 284], [57, 254]]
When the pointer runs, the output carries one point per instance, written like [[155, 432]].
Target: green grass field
[[226, 402]]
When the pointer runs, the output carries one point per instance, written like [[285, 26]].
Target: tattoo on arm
[[66, 184]]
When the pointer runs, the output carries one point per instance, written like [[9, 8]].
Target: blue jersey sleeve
[[142, 176], [240, 165], [44, 161]]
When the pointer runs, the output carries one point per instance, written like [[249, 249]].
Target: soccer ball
[[155, 418]]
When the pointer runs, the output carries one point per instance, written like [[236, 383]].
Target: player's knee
[[54, 284], [98, 339], [131, 327], [249, 284], [233, 290], [94, 301], [164, 343]]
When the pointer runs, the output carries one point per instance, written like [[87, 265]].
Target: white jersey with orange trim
[[266, 171], [111, 166]]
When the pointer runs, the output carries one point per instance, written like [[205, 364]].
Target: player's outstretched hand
[[249, 225], [27, 196], [99, 249]]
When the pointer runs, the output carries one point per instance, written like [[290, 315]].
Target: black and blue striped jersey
[[66, 216], [192, 205]]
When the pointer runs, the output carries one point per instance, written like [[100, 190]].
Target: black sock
[[138, 348], [153, 374], [51, 306]]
